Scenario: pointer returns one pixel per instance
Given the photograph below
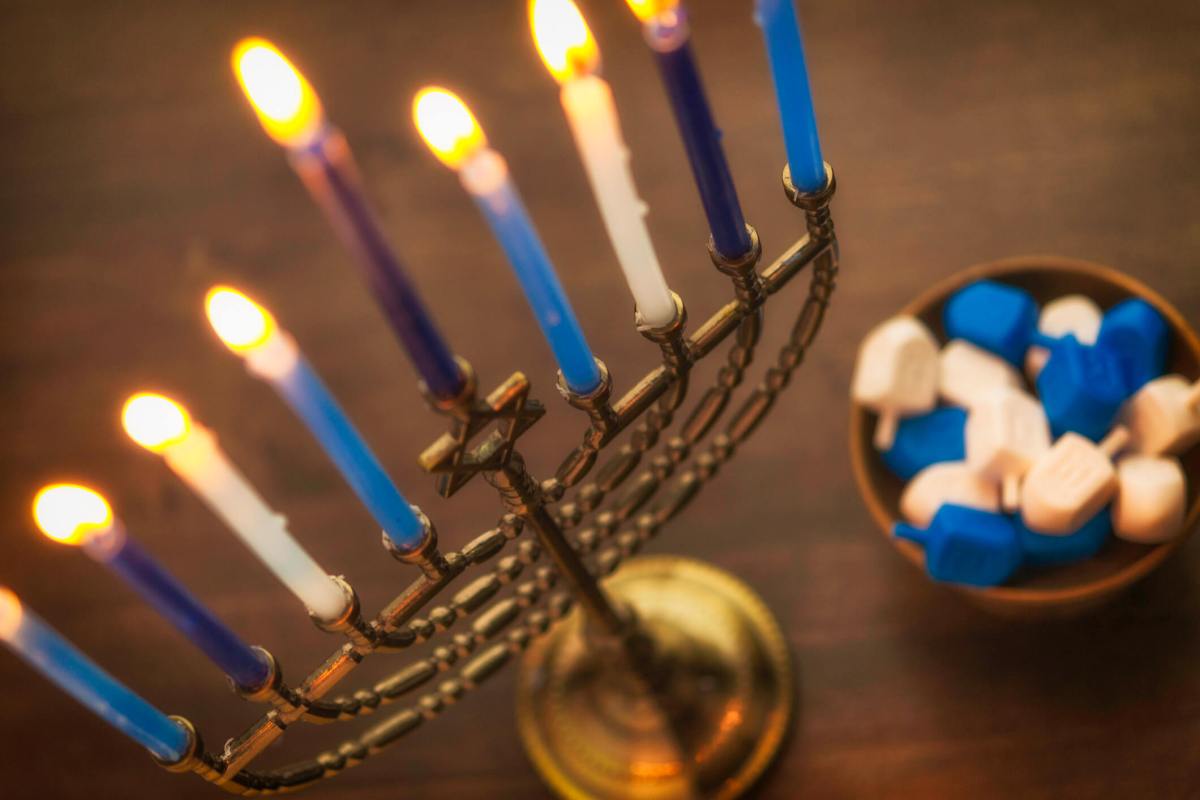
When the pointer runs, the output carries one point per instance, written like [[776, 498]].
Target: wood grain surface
[[134, 176]]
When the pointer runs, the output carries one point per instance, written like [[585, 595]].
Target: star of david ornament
[[505, 414]]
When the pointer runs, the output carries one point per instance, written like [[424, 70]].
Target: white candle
[[191, 451], [569, 51]]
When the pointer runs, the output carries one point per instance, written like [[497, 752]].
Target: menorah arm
[[229, 770]]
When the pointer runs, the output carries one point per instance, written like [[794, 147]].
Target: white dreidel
[[1148, 506], [1075, 314], [896, 374], [1163, 416], [1006, 432], [954, 482], [967, 372], [1070, 483]]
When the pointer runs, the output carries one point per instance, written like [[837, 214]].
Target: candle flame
[[69, 513], [647, 10], [242, 324], [447, 125], [563, 38], [287, 107], [10, 613], [155, 422]]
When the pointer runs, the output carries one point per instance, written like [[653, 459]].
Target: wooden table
[[135, 176]]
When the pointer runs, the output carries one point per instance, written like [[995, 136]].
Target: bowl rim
[[1017, 595]]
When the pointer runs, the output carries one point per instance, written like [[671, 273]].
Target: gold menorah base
[[594, 728]]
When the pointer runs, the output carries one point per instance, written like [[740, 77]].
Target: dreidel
[[896, 374], [954, 482], [999, 318], [966, 372], [1075, 314], [1006, 432], [1070, 483], [966, 545], [926, 439], [1040, 549], [1081, 387], [1163, 416], [1138, 336], [1149, 503]]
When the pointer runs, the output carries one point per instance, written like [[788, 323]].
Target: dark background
[[134, 176]]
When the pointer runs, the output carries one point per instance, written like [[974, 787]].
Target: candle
[[163, 426], [450, 130], [786, 54], [290, 112], [665, 25], [250, 331], [569, 52], [62, 663], [78, 515]]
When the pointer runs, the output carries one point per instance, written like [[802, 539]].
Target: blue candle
[[786, 53], [456, 138], [78, 515], [666, 29], [250, 330], [291, 114], [77, 675]]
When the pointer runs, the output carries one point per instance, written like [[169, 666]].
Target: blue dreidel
[[966, 545], [1137, 334], [993, 316], [927, 439], [1042, 549], [1081, 388]]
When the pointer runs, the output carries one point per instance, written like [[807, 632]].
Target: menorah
[[672, 677], [668, 678]]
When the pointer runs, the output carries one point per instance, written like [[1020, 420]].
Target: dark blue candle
[[666, 31], [785, 50], [328, 171], [291, 113], [78, 515], [167, 595]]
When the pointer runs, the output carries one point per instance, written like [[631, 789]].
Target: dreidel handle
[[902, 530], [885, 429], [1192, 399], [1010, 492], [1116, 441]]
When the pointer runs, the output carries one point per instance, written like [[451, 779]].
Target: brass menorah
[[669, 678]]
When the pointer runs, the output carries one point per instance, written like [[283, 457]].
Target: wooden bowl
[[1050, 591]]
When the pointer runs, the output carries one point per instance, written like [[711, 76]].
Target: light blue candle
[[510, 224], [302, 389], [455, 137], [249, 330], [63, 664], [785, 50]]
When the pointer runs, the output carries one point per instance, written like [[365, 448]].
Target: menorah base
[[595, 729]]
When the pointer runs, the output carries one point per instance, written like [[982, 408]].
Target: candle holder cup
[[667, 678]]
